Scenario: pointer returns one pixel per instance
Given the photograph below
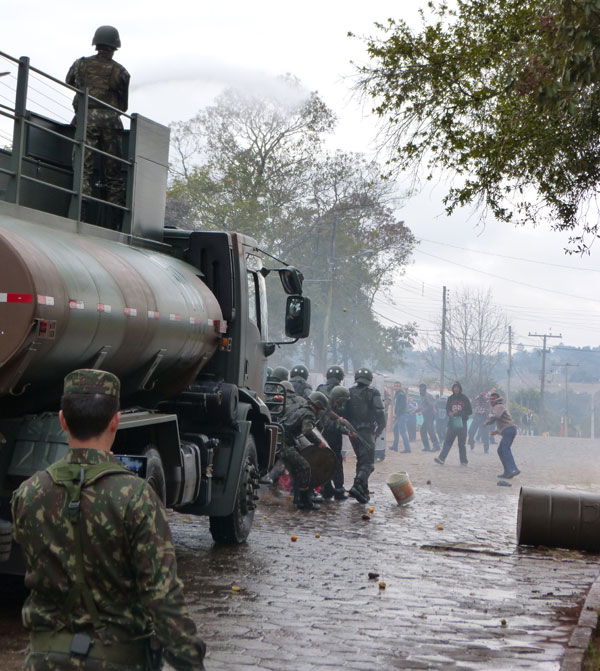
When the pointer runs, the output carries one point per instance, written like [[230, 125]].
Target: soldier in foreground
[[99, 558], [107, 81], [365, 412]]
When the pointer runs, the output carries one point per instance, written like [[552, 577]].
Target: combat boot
[[339, 494], [305, 501], [360, 493]]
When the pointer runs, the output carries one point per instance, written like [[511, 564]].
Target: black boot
[[359, 492], [339, 494], [305, 501]]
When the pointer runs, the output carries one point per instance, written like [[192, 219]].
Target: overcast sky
[[183, 53]]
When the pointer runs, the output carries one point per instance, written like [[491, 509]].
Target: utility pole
[[443, 343], [566, 366], [543, 380], [509, 369]]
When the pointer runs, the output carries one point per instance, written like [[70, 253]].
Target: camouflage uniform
[[107, 570], [301, 386], [366, 413], [108, 81], [301, 422]]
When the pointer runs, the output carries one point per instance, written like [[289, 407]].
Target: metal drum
[[561, 519]]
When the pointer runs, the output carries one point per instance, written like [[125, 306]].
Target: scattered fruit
[[440, 527], [382, 585], [236, 588], [371, 510], [372, 575], [317, 535], [366, 517], [294, 539], [503, 622]]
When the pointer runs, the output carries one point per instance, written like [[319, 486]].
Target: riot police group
[[313, 424]]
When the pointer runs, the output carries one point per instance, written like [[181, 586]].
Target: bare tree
[[475, 333]]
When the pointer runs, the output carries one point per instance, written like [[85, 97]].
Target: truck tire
[[155, 474], [235, 528], [5, 540]]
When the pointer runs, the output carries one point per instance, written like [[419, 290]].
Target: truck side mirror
[[291, 280], [297, 317]]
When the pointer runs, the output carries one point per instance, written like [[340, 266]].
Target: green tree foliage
[[257, 165], [241, 164], [504, 94]]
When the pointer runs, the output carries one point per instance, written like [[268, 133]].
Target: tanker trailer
[[180, 316]]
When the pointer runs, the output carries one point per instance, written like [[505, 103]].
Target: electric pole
[[443, 343], [566, 366], [509, 369], [543, 380]]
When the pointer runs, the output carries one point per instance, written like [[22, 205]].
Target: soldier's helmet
[[300, 370], [337, 372], [280, 373], [319, 400], [288, 386], [363, 376], [339, 395], [107, 36]]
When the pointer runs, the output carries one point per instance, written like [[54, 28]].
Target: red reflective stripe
[[19, 298]]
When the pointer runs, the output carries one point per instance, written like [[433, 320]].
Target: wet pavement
[[459, 593]]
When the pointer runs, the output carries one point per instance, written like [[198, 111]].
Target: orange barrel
[[559, 519], [401, 488]]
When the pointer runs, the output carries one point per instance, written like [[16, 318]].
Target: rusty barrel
[[564, 519]]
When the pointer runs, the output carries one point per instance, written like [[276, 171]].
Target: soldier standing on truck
[[107, 81], [100, 563], [365, 412]]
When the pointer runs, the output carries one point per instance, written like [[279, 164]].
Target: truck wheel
[[155, 474], [5, 540], [235, 528]]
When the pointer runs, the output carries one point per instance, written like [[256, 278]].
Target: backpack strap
[[73, 477]]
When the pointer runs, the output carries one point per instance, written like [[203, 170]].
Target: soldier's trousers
[[365, 455], [108, 140], [298, 467]]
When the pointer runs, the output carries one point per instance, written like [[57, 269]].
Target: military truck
[[180, 316]]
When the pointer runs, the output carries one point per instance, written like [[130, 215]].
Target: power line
[[508, 279], [505, 256]]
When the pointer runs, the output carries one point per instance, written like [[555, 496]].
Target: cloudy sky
[[183, 53]]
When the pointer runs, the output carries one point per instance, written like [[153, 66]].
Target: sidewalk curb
[[582, 633]]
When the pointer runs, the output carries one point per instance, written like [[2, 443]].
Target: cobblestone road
[[463, 596]]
